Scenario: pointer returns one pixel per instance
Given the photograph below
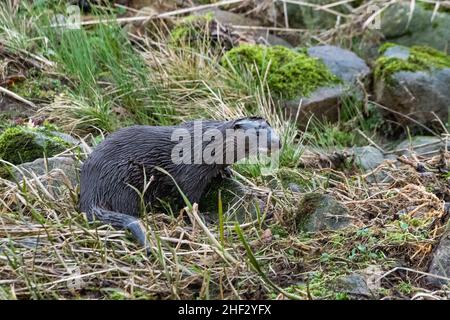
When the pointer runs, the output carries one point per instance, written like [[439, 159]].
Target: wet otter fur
[[126, 164]]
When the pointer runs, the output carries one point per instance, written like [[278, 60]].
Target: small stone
[[319, 212], [65, 169], [234, 19], [368, 157], [354, 285], [294, 187], [324, 103], [397, 52]]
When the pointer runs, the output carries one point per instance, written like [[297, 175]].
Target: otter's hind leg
[[123, 221]]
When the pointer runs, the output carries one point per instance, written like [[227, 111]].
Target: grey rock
[[12, 109], [343, 63], [294, 187], [440, 264], [421, 145], [354, 285], [422, 29], [64, 170], [66, 137], [234, 19], [325, 102], [397, 52], [318, 212], [266, 38], [227, 17], [368, 157]]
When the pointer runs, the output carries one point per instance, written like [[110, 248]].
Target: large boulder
[[424, 28], [325, 102], [414, 82]]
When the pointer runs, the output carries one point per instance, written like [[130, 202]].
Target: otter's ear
[[239, 124]]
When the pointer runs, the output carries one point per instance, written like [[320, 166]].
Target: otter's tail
[[123, 221]]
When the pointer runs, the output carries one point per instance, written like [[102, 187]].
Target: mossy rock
[[397, 58], [22, 144], [289, 73], [415, 82], [420, 27], [237, 204], [317, 212]]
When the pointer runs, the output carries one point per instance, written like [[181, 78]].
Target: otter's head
[[253, 136]]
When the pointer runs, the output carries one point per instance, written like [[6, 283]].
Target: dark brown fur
[[122, 164]]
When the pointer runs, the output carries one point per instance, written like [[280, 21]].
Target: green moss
[[420, 59], [39, 87], [209, 202], [22, 144], [289, 73], [279, 231], [287, 176], [383, 48]]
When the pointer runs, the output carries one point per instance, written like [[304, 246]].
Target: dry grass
[[50, 251]]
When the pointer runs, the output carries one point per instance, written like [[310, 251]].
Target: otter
[[123, 173]]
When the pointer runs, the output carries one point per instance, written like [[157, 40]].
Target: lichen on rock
[[289, 73]]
